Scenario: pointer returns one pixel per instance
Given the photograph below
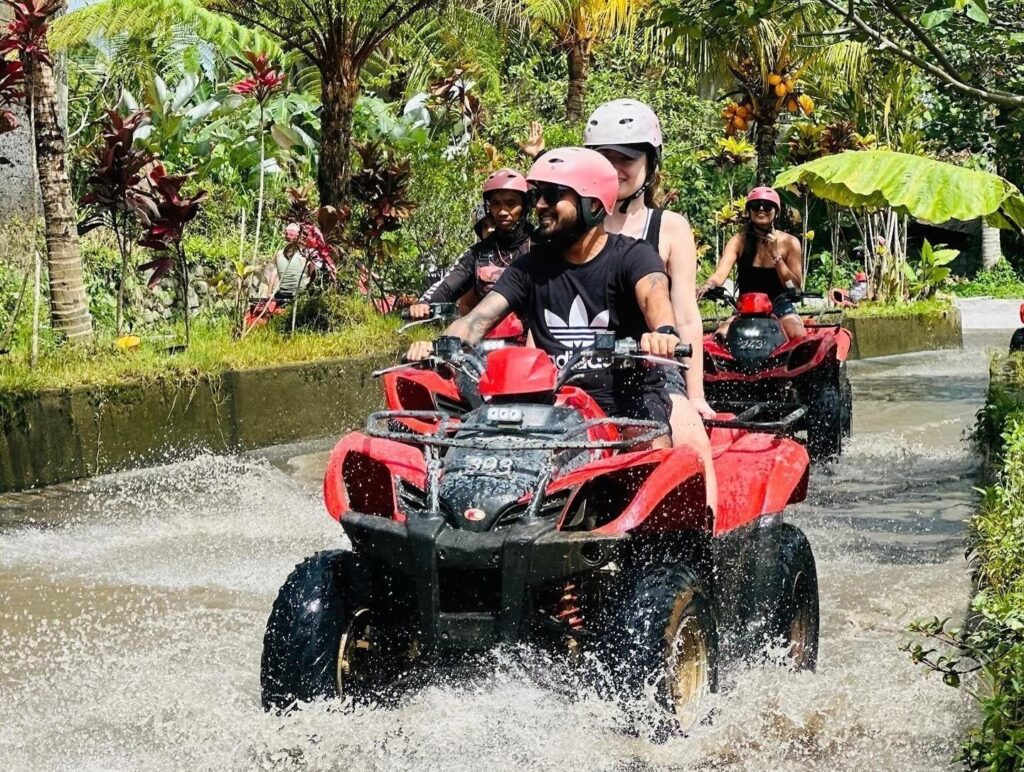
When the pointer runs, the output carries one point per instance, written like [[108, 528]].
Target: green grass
[[213, 351], [999, 282], [870, 309]]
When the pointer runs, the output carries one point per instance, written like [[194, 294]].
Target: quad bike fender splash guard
[[474, 589], [663, 490], [759, 474], [844, 339], [360, 470]]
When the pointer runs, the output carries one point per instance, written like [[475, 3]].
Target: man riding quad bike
[[555, 513], [506, 203], [538, 518]]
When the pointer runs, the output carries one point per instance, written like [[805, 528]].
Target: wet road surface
[[132, 610]]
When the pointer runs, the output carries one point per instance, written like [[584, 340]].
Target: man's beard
[[559, 235]]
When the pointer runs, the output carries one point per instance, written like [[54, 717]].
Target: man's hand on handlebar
[[419, 351], [420, 311], [659, 344], [704, 289]]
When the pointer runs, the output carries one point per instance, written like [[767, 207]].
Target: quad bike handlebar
[[723, 296], [446, 313], [450, 351]]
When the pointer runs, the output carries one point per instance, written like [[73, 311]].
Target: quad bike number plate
[[490, 465]]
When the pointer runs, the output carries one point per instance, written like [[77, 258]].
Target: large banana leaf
[[923, 188]]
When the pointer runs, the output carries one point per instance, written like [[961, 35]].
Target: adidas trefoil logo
[[579, 330]]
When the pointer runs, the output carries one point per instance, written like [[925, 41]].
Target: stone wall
[[884, 336], [63, 435]]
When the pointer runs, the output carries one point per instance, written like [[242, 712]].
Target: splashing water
[[132, 611]]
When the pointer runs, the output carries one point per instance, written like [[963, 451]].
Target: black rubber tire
[[825, 422], [795, 615], [663, 602], [847, 393], [313, 610]]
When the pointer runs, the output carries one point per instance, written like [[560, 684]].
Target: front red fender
[[399, 459], [670, 498], [758, 474], [844, 339]]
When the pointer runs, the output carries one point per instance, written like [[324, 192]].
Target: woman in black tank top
[[766, 260], [628, 134]]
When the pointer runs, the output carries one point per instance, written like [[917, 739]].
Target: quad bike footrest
[[764, 417]]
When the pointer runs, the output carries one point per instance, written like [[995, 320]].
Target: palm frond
[[554, 13], [138, 18]]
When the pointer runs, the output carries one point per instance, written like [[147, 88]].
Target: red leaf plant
[[26, 33], [164, 212], [117, 167], [116, 171], [12, 92], [263, 78]]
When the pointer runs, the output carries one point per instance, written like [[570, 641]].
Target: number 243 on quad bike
[[537, 518], [755, 362]]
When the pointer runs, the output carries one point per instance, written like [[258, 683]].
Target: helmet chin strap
[[585, 220], [624, 206]]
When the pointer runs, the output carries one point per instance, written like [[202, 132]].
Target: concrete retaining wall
[[56, 436], [884, 336]]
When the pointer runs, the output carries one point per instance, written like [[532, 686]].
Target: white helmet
[[621, 125]]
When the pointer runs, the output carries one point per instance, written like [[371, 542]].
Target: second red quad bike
[[537, 518], [756, 362]]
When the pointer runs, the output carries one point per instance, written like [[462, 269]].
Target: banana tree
[[887, 188]]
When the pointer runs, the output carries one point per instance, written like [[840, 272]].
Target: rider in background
[[767, 260], [628, 134], [505, 201]]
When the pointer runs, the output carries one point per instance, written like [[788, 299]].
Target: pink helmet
[[505, 179], [623, 122], [765, 194], [587, 172]]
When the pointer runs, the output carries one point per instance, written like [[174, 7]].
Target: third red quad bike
[[537, 518], [756, 362]]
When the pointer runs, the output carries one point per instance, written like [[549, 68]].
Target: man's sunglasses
[[550, 192], [760, 206]]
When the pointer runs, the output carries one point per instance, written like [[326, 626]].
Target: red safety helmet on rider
[[505, 179], [765, 194], [588, 173]]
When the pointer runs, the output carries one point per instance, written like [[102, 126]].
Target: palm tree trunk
[[259, 205], [578, 61], [340, 88], [767, 136], [69, 302], [184, 284]]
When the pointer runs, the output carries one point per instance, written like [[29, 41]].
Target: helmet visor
[[630, 151]]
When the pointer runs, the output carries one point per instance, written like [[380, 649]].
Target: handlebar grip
[[684, 350]]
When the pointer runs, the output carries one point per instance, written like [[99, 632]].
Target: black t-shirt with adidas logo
[[564, 304]]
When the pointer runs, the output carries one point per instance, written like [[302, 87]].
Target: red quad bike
[[537, 518], [756, 362], [1017, 341]]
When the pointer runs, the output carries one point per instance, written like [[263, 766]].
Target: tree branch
[[921, 35], [289, 40], [375, 40], [1001, 98]]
